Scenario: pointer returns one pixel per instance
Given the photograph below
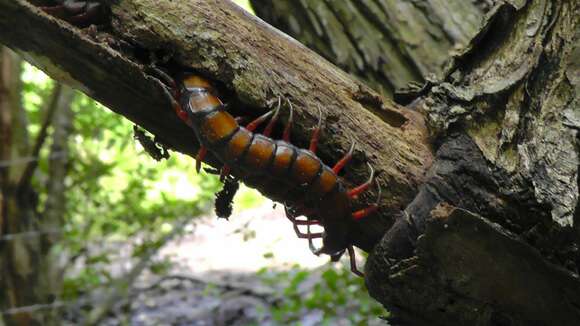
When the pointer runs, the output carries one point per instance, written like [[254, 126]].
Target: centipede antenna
[[344, 160], [270, 126], [288, 129]]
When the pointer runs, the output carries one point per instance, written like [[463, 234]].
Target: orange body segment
[[217, 126], [305, 168], [282, 160], [237, 145], [195, 81], [203, 101], [259, 154], [324, 184]]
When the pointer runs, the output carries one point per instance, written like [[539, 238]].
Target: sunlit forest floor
[[251, 269]]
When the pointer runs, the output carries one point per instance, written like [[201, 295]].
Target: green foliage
[[334, 291], [117, 197], [245, 4]]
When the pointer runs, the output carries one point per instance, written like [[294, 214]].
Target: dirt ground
[[215, 280]]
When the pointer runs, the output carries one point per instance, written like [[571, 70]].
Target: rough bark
[[251, 62], [386, 43], [486, 234], [506, 121]]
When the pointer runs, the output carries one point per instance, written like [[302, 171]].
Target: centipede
[[311, 191]]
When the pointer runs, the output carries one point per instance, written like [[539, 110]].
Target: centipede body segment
[[281, 171]]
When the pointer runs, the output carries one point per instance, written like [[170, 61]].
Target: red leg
[[270, 126], [199, 157], [369, 210], [344, 160], [180, 112], [363, 187], [259, 120], [307, 235], [316, 133], [295, 224], [288, 129], [352, 258]]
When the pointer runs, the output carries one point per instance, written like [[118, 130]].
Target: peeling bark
[[504, 118]]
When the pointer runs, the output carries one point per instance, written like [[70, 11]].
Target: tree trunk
[[490, 239], [478, 220], [386, 43]]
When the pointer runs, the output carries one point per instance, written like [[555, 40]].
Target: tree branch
[[251, 62], [476, 277]]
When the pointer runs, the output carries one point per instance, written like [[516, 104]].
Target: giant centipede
[[281, 171], [278, 169]]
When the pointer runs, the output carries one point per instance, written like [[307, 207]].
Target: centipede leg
[[288, 128], [199, 157], [268, 130], [352, 259], [344, 160], [310, 242], [306, 222], [316, 133], [259, 120], [363, 187], [295, 224], [309, 236], [371, 209]]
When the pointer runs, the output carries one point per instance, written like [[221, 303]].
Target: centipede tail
[[277, 168]]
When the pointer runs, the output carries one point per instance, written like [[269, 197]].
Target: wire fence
[[27, 159], [29, 234], [129, 277]]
